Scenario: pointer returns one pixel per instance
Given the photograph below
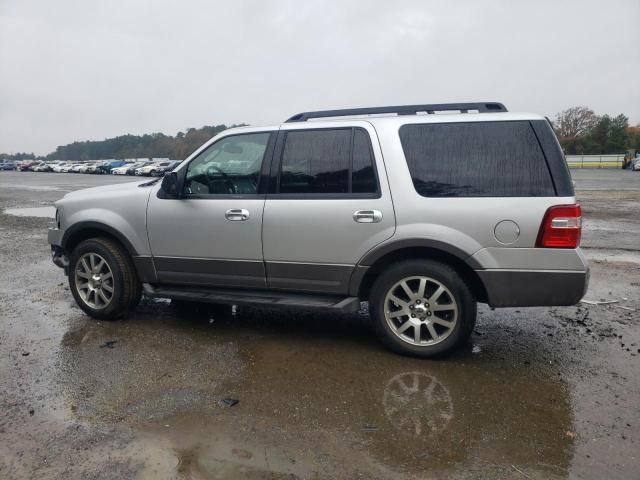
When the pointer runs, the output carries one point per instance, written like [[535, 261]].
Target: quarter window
[[476, 159], [230, 166], [327, 161]]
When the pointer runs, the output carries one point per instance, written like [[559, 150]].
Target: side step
[[254, 297]]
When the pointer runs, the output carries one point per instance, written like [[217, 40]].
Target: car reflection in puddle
[[318, 397], [417, 404]]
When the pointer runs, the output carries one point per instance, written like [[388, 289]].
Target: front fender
[[131, 231]]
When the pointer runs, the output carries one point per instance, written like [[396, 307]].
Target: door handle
[[367, 216], [236, 214]]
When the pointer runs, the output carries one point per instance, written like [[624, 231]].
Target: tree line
[[582, 132], [176, 147], [152, 145]]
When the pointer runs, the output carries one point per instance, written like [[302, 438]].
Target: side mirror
[[171, 184]]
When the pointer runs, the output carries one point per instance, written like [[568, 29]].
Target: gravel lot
[[538, 393]]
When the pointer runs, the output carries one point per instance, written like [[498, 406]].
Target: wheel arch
[[84, 230], [376, 263]]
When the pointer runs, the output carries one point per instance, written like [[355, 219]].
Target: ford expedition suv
[[421, 214]]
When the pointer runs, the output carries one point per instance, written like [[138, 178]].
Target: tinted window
[[316, 161], [229, 166], [363, 178], [478, 159]]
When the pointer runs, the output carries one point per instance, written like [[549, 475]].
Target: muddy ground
[[538, 393]]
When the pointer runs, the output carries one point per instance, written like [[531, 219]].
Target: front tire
[[103, 280], [422, 308]]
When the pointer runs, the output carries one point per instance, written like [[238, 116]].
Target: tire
[[453, 321], [152, 173], [123, 281]]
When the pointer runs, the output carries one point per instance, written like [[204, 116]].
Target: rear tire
[[103, 280], [436, 318]]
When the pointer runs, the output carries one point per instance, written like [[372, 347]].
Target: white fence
[[595, 161]]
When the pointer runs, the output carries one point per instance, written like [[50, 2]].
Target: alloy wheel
[[420, 311], [94, 281]]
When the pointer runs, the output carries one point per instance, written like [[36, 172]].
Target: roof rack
[[481, 107]]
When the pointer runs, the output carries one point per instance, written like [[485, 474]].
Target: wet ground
[[538, 393]]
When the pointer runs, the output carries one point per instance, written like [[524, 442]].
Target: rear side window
[[476, 159], [327, 161]]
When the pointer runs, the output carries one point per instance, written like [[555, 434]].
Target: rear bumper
[[531, 288]]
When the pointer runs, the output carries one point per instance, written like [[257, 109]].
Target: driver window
[[230, 166]]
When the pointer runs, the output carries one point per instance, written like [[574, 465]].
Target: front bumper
[[58, 255], [534, 288]]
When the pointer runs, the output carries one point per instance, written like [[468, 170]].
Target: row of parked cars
[[114, 167]]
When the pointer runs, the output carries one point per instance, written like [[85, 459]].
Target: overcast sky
[[78, 70]]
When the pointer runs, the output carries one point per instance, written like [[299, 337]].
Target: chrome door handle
[[236, 214], [367, 216]]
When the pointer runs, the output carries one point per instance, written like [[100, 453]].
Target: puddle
[[316, 396], [43, 212]]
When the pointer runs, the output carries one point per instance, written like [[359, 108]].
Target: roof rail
[[481, 107]]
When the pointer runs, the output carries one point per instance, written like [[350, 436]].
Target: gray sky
[[79, 70]]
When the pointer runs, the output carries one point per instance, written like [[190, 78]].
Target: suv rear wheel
[[102, 279], [422, 308]]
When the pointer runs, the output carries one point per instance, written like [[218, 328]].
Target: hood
[[107, 190]]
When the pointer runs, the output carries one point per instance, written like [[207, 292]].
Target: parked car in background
[[157, 169], [58, 168], [109, 165], [66, 168], [129, 168], [94, 167], [39, 167], [7, 166], [26, 165], [87, 167], [124, 169]]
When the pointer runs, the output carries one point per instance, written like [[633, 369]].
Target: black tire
[[448, 277], [152, 173], [126, 286]]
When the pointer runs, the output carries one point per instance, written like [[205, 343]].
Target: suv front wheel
[[422, 308], [103, 280]]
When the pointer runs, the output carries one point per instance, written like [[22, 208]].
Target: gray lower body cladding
[[534, 288], [504, 287]]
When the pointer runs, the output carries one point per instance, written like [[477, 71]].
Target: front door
[[330, 205], [212, 236]]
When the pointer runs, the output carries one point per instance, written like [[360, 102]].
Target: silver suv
[[421, 214]]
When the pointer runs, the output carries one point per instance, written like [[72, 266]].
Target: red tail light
[[561, 227]]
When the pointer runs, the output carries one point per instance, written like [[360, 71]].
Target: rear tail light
[[561, 227]]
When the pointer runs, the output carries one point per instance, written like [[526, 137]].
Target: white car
[[122, 170], [635, 164], [153, 168], [59, 167]]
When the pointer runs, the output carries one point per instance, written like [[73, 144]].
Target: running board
[[254, 297]]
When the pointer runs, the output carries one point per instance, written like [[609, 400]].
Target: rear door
[[212, 236], [328, 204]]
